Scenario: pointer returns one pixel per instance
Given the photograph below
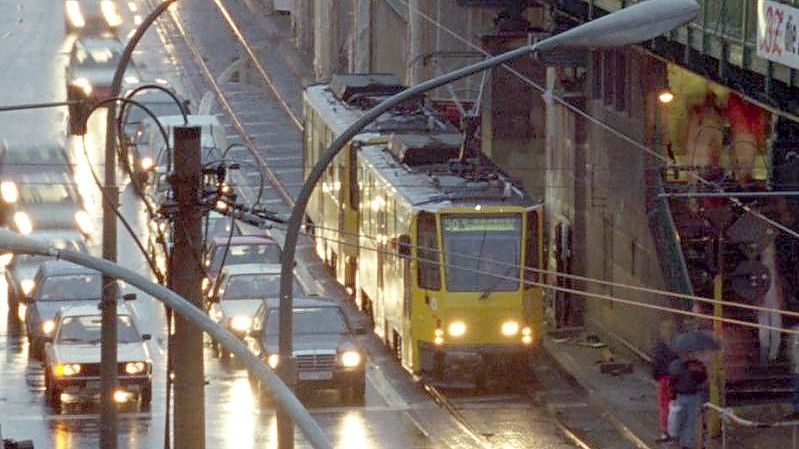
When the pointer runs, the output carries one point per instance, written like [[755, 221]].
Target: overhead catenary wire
[[520, 267], [601, 124], [543, 285]]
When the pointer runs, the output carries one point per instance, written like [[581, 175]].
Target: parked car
[[20, 269], [91, 66], [43, 200], [91, 16], [72, 358], [326, 353], [57, 284], [240, 291], [238, 250]]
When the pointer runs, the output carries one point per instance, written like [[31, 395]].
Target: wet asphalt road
[[397, 413]]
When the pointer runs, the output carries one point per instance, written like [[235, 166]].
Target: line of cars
[[56, 302]]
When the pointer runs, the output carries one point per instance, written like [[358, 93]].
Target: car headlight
[[84, 222], [510, 328], [48, 326], [9, 192], [241, 323], [23, 222], [22, 311], [273, 360], [350, 359], [74, 14], [527, 335], [27, 286], [135, 367], [456, 328], [66, 369], [110, 13], [131, 79], [206, 284], [147, 163], [6, 259], [84, 84]]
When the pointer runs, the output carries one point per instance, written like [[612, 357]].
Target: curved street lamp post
[[640, 22]]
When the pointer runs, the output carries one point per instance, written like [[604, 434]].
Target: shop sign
[[777, 32]]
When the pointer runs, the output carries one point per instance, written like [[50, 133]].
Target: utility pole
[[189, 384]]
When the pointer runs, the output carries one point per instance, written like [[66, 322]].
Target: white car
[[72, 358]]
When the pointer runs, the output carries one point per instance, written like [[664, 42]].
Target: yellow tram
[[432, 246]]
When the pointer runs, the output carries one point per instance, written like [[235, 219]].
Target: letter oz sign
[[777, 32]]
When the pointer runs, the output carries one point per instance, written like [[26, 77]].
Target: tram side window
[[429, 276], [531, 253]]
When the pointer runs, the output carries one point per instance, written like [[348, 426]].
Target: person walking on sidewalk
[[688, 384], [663, 357]]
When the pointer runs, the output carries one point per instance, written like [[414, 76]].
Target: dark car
[[238, 250], [91, 16], [326, 354], [57, 284], [21, 268], [43, 200]]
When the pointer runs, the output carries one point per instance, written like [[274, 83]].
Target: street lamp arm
[[18, 244]]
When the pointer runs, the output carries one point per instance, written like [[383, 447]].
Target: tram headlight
[[510, 328], [456, 329], [527, 335]]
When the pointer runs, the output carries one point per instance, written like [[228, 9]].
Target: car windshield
[[28, 259], [36, 155], [311, 320], [250, 286], [46, 193], [220, 227], [241, 254], [85, 329], [137, 114], [97, 56], [482, 252], [70, 287]]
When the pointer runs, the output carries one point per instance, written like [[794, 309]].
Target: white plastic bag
[[675, 416]]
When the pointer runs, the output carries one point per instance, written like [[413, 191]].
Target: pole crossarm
[[16, 243]]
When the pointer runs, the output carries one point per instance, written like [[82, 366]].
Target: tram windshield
[[482, 253]]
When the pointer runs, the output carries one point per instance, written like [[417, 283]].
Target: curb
[[607, 412]]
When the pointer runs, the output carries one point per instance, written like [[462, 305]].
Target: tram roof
[[426, 186]]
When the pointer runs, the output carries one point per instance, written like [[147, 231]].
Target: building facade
[[622, 144]]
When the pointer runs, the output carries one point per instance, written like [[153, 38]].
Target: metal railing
[[729, 418], [669, 249]]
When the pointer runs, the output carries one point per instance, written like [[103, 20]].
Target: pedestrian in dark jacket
[[663, 357], [688, 385]]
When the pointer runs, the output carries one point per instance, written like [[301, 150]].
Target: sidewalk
[[629, 399]]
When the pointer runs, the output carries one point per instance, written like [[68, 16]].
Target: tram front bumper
[[455, 362]]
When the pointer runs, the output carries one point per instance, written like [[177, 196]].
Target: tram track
[[456, 406]]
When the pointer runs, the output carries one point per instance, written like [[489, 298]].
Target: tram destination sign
[[480, 224], [777, 32]]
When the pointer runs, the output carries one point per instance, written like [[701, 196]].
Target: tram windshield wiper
[[499, 278]]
